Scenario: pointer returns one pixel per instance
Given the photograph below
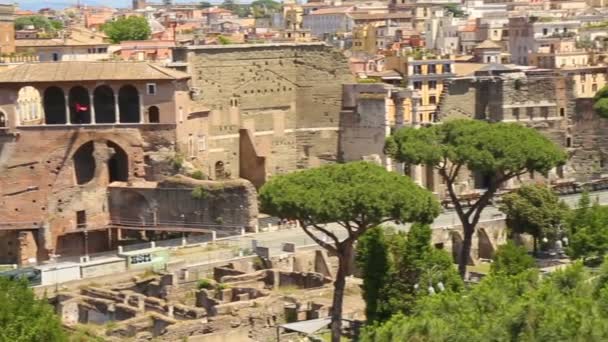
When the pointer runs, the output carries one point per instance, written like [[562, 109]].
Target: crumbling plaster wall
[[37, 179], [287, 95]]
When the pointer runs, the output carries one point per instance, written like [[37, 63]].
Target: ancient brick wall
[[287, 95], [49, 174]]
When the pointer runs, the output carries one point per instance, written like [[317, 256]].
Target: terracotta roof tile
[[88, 71]]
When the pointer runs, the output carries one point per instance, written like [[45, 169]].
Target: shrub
[[199, 193], [198, 174], [204, 284]]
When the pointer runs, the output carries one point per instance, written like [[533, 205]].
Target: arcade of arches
[[87, 158], [80, 105]]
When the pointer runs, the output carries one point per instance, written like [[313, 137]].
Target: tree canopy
[[264, 8], [588, 230], [455, 10], [130, 28], [536, 210], [601, 102], [398, 269], [39, 22], [24, 318], [568, 305], [511, 259], [500, 151], [356, 196]]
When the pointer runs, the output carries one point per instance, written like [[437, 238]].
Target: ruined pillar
[[116, 109], [92, 108], [417, 174]]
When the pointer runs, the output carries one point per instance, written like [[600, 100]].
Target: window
[[81, 219], [417, 85], [530, 112], [516, 113], [447, 68], [432, 100], [432, 84], [562, 112], [151, 88], [594, 88], [584, 77], [417, 69], [544, 112], [202, 143], [545, 32], [55, 56], [568, 142], [432, 69]]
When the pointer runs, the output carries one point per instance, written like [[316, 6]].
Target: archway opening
[[105, 108], [132, 208], [153, 115], [118, 165], [54, 106], [3, 121], [128, 103], [29, 106], [84, 163], [220, 172], [80, 106], [485, 247]]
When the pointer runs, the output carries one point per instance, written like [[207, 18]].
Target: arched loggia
[[128, 103], [80, 106], [105, 107], [54, 106]]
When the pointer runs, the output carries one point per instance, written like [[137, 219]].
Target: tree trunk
[[535, 248], [465, 251], [344, 255]]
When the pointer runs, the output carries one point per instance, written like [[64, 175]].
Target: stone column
[[68, 116], [116, 109], [141, 109], [92, 108], [417, 174]]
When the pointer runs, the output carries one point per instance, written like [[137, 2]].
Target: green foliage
[[368, 80], [222, 40], [198, 174], [240, 10], [561, 307], [588, 230], [24, 318], [506, 149], [375, 264], [500, 151], [204, 284], [511, 259], [535, 210], [39, 22], [347, 193], [264, 8], [130, 28], [199, 193], [455, 10], [397, 270], [601, 102], [177, 161], [204, 4]]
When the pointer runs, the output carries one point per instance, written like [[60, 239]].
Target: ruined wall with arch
[[49, 174]]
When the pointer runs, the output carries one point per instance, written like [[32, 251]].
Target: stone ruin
[[236, 299]]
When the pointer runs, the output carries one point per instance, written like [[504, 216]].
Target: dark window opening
[[3, 120], [128, 103], [220, 172], [55, 57], [105, 108], [568, 142], [80, 107], [81, 219], [84, 163], [562, 112], [54, 106], [153, 115], [118, 165]]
